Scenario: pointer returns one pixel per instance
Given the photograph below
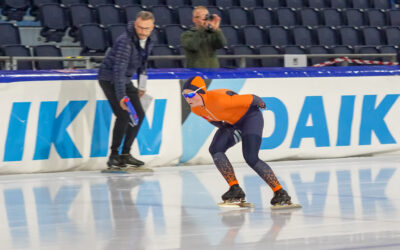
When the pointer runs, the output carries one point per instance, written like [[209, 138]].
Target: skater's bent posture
[[238, 117]]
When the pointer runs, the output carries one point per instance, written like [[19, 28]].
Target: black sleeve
[[220, 124]]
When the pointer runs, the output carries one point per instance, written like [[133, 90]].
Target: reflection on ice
[[346, 203]]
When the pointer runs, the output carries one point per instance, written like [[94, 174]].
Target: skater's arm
[[220, 124], [257, 101]]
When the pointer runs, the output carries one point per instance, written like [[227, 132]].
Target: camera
[[209, 17]]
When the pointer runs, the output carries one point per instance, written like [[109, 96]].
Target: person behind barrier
[[201, 42], [127, 57], [238, 118]]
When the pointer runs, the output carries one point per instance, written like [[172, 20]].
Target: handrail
[[12, 61]]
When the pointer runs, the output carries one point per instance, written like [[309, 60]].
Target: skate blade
[[235, 204], [127, 170], [285, 206]]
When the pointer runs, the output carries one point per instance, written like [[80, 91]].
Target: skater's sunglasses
[[191, 94]]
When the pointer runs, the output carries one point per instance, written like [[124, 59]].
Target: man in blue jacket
[[127, 57]]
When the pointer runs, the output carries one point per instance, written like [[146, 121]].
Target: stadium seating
[[108, 14], [332, 17], [164, 50], [173, 34], [185, 15], [114, 31], [360, 4], [320, 4], [286, 16], [48, 50], [270, 62], [96, 3], [295, 3], [326, 36], [339, 4], [225, 63], [202, 2], [37, 3], [150, 3], [375, 17], [263, 17], [14, 10], [238, 16], [317, 49], [394, 17], [271, 3], [232, 35], [18, 50], [248, 3], [309, 17], [350, 36], [392, 35], [372, 36], [381, 4], [54, 20], [279, 36], [303, 36], [9, 34], [226, 3], [131, 11], [245, 50], [175, 3], [79, 14], [94, 41], [254, 35], [354, 17], [71, 2], [164, 15]]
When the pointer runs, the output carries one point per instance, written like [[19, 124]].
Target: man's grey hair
[[145, 15], [200, 7]]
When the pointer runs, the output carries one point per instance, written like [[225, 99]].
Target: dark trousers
[[251, 127], [122, 128]]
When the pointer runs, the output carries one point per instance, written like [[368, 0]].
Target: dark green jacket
[[200, 46]]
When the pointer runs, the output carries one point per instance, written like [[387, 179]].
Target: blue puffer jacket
[[125, 59]]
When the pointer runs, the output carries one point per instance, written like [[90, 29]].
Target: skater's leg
[[251, 145], [223, 140], [252, 127]]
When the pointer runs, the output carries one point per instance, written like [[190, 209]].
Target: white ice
[[350, 203]]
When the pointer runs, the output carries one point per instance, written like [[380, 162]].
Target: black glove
[[258, 102]]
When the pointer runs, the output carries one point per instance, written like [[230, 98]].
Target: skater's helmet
[[195, 83]]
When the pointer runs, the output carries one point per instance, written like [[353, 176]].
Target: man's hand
[[215, 22], [123, 105], [141, 93]]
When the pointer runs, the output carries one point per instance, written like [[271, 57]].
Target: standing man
[[127, 57], [238, 118], [201, 41]]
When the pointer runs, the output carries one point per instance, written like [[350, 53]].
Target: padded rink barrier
[[60, 120]]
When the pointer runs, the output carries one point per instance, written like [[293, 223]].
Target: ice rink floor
[[350, 203]]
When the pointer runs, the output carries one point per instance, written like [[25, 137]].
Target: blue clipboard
[[132, 112]]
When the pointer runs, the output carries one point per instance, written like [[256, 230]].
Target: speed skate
[[240, 203], [128, 170], [285, 206]]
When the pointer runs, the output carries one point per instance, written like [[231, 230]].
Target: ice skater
[[238, 118]]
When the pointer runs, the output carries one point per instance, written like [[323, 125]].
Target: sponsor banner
[[313, 117], [60, 120], [63, 125]]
